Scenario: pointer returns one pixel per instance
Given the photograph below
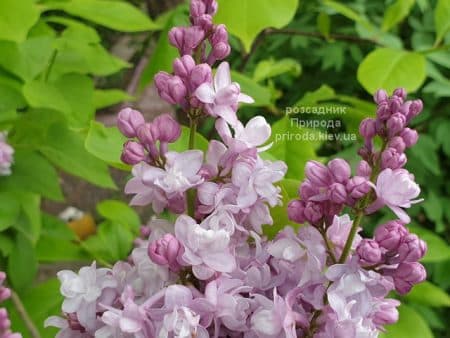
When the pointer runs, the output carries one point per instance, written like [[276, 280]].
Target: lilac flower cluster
[[5, 323], [213, 273], [6, 156]]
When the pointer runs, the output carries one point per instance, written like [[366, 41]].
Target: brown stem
[[23, 314]]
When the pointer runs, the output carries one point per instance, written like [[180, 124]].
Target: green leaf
[[182, 144], [40, 94], [24, 178], [433, 208], [349, 13], [396, 13], [106, 144], [428, 294], [259, 93], [247, 18], [9, 210], [438, 249], [107, 97], [27, 59], [11, 100], [426, 151], [410, 325], [391, 68], [119, 213], [78, 91], [112, 242], [271, 68], [57, 243], [442, 134], [164, 53], [22, 264], [294, 145], [323, 93], [65, 148], [289, 191], [324, 24], [117, 15], [442, 19], [6, 244], [29, 223], [16, 19]]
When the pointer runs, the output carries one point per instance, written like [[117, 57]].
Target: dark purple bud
[[391, 158], [364, 169], [369, 252], [165, 128], [128, 121], [380, 96], [411, 249], [414, 109], [367, 128], [221, 50], [307, 190], [313, 212], [183, 66], [205, 22], [395, 124], [165, 252], [406, 275], [318, 173], [340, 170], [197, 8], [186, 39], [296, 211], [200, 74], [390, 235], [409, 136], [398, 144], [383, 111], [338, 193], [357, 187], [133, 153], [401, 93]]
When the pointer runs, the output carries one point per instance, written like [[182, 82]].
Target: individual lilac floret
[[6, 156], [128, 121], [221, 97], [165, 251]]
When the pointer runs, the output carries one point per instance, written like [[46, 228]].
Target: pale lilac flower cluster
[[5, 323], [213, 273], [6, 156]]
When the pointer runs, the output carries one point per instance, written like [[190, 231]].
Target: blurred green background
[[67, 66]]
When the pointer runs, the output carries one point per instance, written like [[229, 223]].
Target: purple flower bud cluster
[[213, 273], [395, 252], [6, 156], [191, 86], [5, 323], [325, 191]]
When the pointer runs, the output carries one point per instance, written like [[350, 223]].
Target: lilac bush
[[214, 273]]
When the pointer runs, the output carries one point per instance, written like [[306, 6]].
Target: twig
[[20, 308]]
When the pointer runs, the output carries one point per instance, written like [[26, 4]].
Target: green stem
[[20, 308], [191, 196], [50, 65], [351, 236]]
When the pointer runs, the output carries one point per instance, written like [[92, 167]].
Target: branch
[[23, 314]]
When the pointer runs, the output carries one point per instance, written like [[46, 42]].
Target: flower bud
[[357, 187], [363, 169], [401, 93], [340, 170], [383, 111], [409, 136], [133, 153], [205, 22], [390, 235], [128, 121], [380, 96], [369, 252], [197, 8], [398, 144], [165, 128], [200, 74], [165, 251], [414, 109], [186, 39], [307, 190], [177, 91], [221, 50], [367, 128], [411, 249], [317, 173], [296, 210], [313, 212], [183, 66], [387, 313], [391, 158], [338, 193], [406, 275], [395, 124]]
